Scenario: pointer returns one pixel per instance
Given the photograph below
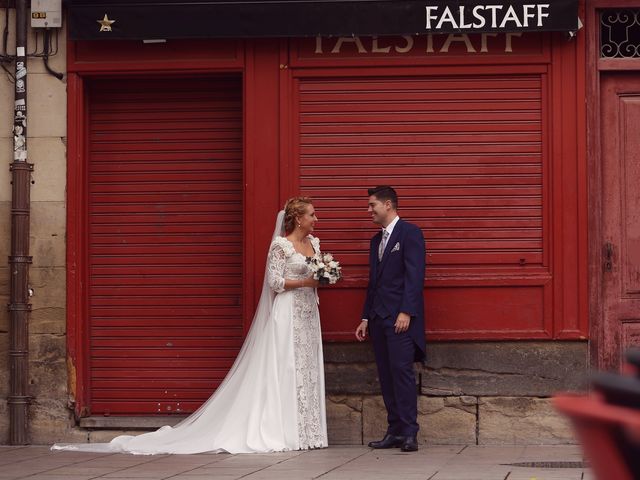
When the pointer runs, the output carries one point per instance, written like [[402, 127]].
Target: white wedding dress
[[273, 397]]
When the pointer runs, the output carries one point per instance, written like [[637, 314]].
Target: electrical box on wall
[[46, 13]]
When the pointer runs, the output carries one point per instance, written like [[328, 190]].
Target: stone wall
[[465, 420], [470, 393], [46, 130]]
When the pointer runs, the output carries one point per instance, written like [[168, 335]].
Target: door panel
[[620, 216]]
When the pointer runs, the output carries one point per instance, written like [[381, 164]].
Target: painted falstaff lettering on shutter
[[412, 45]]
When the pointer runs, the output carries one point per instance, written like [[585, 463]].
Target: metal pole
[[19, 307]]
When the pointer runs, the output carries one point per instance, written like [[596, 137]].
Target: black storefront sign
[[164, 19]]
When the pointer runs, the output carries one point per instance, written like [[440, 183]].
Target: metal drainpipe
[[19, 306]]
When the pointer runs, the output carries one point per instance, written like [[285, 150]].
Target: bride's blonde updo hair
[[295, 207]]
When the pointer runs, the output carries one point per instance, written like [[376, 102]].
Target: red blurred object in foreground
[[610, 435]]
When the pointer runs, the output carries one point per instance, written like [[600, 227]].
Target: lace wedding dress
[[273, 397]]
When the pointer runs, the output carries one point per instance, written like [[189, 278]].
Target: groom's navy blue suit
[[396, 285]]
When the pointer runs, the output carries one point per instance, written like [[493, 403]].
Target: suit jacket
[[396, 283]]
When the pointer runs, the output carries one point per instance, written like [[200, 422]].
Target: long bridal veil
[[253, 409]]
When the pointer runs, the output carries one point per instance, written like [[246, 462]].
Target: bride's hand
[[311, 282]]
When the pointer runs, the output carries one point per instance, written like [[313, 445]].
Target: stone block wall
[[356, 420], [484, 393], [46, 143]]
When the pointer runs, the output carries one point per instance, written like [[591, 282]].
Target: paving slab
[[460, 462]]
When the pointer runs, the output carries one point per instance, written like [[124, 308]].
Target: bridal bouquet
[[325, 269]]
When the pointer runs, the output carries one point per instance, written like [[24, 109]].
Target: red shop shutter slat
[[464, 152], [165, 208]]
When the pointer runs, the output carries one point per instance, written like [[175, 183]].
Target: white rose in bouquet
[[325, 269]]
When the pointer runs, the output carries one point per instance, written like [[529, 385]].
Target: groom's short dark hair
[[384, 193]]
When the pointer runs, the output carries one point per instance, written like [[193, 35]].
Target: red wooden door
[[620, 216], [165, 231]]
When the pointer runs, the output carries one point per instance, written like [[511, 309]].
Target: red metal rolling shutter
[[466, 155], [165, 209]]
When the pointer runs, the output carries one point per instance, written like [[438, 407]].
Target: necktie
[[383, 243]]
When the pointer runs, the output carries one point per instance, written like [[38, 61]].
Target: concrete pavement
[[459, 462]]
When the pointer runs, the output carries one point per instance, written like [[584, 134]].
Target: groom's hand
[[361, 331], [402, 322]]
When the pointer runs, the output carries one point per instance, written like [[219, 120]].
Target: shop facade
[[180, 151]]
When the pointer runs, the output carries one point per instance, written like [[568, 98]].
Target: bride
[[273, 397]]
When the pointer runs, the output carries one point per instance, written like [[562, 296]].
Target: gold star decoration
[[105, 23]]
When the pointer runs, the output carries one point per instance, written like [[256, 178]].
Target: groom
[[394, 315]]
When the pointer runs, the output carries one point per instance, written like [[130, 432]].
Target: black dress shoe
[[410, 444], [389, 441]]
